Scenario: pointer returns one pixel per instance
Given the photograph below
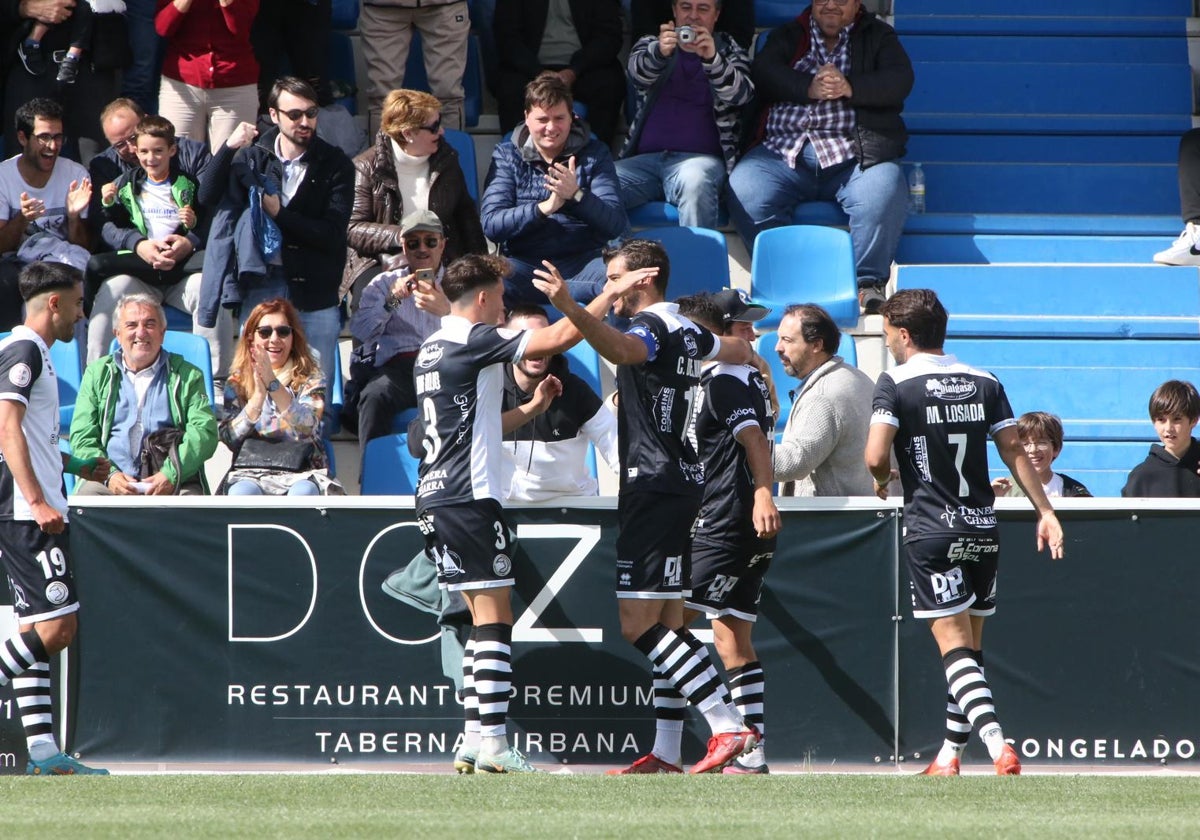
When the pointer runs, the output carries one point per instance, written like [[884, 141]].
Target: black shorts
[[470, 543], [949, 574], [652, 546], [39, 571], [728, 579]]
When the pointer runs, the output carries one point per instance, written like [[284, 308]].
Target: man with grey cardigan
[[826, 433]]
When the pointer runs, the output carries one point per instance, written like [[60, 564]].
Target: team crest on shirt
[[57, 593], [19, 600], [951, 388], [501, 565], [689, 343], [430, 355], [20, 375]]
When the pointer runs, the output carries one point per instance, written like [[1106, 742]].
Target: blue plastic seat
[[388, 469], [805, 264], [699, 259], [463, 143], [585, 363], [68, 367]]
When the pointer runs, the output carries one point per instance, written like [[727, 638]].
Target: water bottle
[[916, 189]]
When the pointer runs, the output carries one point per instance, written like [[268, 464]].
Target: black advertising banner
[[263, 634], [1092, 659]]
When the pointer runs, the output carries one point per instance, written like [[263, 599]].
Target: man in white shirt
[[43, 203]]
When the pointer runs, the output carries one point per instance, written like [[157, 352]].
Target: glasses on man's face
[[45, 138], [415, 241], [282, 331], [128, 142], [1037, 445], [434, 127], [831, 2], [296, 113]]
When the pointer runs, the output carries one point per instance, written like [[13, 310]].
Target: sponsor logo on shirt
[[950, 388]]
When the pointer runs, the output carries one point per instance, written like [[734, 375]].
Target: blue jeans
[[764, 192], [584, 275], [246, 487], [691, 182], [321, 326], [139, 81]]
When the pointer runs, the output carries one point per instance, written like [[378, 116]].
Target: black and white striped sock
[[492, 672], [973, 696], [32, 691], [692, 674], [469, 698], [19, 652]]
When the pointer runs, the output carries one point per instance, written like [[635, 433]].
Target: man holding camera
[[391, 327], [692, 83]]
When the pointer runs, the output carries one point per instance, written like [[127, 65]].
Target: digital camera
[[685, 34]]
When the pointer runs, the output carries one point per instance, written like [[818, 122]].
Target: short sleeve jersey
[[27, 376], [657, 401], [943, 411], [54, 194], [735, 397], [459, 382]]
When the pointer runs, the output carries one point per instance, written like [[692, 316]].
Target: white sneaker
[[1184, 251]]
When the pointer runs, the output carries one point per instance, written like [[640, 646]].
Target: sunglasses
[[415, 241], [296, 113], [265, 332], [434, 127]]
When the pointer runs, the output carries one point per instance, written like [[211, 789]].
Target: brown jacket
[[374, 229]]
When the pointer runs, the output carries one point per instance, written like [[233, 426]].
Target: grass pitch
[[558, 806]]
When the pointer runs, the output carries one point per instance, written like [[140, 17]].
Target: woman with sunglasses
[[410, 167], [275, 391]]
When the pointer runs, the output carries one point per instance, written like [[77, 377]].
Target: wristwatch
[[274, 386], [578, 195]]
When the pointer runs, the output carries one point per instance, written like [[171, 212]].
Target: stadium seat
[[68, 367], [463, 143], [768, 13], [585, 363], [177, 319], [388, 469], [662, 214], [804, 264], [699, 259], [345, 15]]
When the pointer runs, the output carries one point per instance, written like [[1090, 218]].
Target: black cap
[[736, 305]]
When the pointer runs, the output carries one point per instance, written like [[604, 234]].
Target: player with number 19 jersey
[[657, 399], [944, 411], [459, 379]]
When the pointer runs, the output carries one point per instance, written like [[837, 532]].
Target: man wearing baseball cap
[[390, 323], [741, 313]]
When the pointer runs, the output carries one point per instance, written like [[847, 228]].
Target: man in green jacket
[[137, 395]]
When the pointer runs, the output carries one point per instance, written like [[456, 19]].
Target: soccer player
[[939, 412], [733, 540], [658, 374], [33, 508], [459, 378]]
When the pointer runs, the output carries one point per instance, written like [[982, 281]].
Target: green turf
[[653, 808]]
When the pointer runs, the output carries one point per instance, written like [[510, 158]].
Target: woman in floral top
[[275, 391]]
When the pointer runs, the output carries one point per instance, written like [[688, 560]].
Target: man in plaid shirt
[[832, 83]]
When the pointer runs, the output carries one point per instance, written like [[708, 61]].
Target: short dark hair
[[154, 126], [643, 253], [547, 90], [1175, 396], [1041, 424], [921, 313], [47, 109], [473, 271], [293, 85], [526, 310], [702, 309], [816, 324], [37, 278]]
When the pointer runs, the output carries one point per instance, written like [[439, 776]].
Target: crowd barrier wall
[[261, 633]]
